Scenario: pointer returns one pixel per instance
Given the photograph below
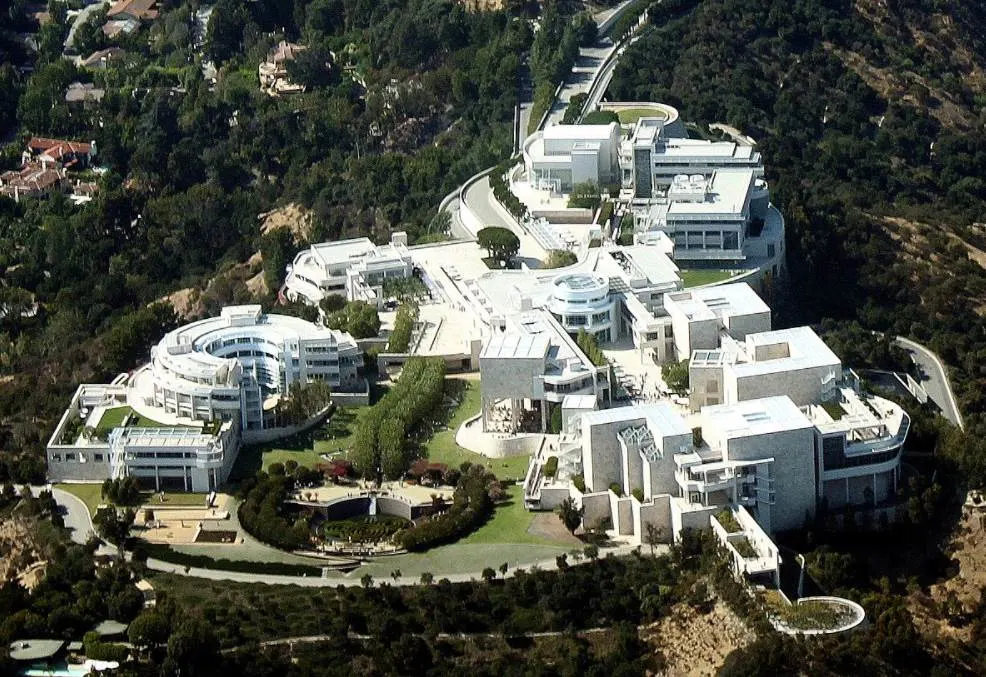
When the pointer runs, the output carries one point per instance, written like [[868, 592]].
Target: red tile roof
[[138, 9], [56, 149]]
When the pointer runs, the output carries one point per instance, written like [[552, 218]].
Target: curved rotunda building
[[238, 365]]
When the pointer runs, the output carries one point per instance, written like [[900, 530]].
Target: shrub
[[554, 421], [616, 488], [559, 258], [164, 553], [472, 505], [584, 196], [638, 494], [106, 651], [551, 467], [605, 213], [579, 482], [400, 337]]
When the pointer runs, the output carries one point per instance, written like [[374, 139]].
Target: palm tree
[[503, 569]]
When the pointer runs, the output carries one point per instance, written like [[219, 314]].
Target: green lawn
[[113, 418], [700, 276], [92, 496], [631, 115], [509, 524], [441, 448]]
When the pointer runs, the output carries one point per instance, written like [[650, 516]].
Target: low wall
[[270, 434], [352, 399], [596, 509], [567, 216], [345, 508]]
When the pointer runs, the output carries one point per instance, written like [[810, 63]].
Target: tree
[[500, 243], [601, 117], [395, 574], [654, 535], [570, 515], [358, 318], [193, 648], [591, 551], [115, 526], [675, 375], [427, 578], [489, 574], [313, 68], [559, 258], [503, 570], [148, 630], [585, 196], [366, 581]]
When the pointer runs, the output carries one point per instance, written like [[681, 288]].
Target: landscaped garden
[[92, 496], [631, 115], [809, 614], [698, 277], [334, 439], [115, 417]]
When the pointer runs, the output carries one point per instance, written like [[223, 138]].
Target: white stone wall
[[793, 473]]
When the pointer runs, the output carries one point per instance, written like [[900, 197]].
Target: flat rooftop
[[35, 649], [663, 419], [784, 350], [694, 149], [516, 345], [343, 250], [578, 132], [755, 417], [727, 193], [721, 301]]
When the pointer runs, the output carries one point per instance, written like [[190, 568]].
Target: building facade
[[177, 423]]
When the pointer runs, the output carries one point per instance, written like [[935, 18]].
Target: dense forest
[[402, 102]]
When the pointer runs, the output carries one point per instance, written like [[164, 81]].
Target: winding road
[[934, 379]]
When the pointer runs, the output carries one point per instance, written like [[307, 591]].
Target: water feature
[[372, 512]]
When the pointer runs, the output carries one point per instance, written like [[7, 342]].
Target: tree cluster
[[304, 402], [501, 244], [472, 504], [121, 491], [404, 321], [263, 512], [381, 440], [358, 318]]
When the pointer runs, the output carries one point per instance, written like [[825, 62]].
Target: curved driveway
[[934, 379]]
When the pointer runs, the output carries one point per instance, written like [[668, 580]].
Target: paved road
[[934, 378], [81, 18], [479, 197], [76, 514]]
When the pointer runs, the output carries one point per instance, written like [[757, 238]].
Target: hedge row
[[380, 439], [166, 554], [472, 505], [502, 192], [400, 337]]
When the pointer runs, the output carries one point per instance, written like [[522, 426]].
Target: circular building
[[581, 301], [236, 366]]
